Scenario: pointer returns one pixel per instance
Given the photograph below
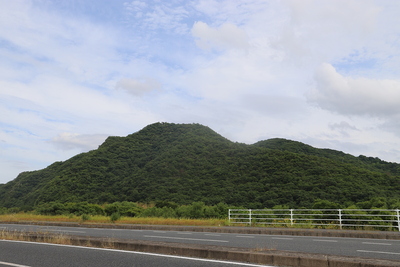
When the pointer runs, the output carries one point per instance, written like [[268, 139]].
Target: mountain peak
[[184, 163]]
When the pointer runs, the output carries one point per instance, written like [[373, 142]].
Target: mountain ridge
[[183, 163]]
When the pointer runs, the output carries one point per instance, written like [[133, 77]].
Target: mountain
[[183, 163], [361, 161]]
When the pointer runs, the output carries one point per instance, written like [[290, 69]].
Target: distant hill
[[183, 163]]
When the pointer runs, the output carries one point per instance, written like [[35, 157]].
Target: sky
[[73, 72]]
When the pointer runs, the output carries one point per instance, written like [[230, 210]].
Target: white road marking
[[282, 238], [380, 252], [133, 230], [183, 233], [245, 236], [181, 238], [137, 252], [13, 264], [66, 231], [113, 229], [372, 243], [163, 232], [212, 234], [324, 240]]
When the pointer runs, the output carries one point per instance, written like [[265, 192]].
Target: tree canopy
[[186, 163]]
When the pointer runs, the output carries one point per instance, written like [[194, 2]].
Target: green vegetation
[[196, 210], [178, 165]]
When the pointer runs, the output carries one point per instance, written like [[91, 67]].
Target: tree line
[[186, 163]]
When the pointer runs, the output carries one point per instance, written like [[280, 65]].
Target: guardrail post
[[291, 216], [249, 216], [398, 218], [229, 215], [340, 218]]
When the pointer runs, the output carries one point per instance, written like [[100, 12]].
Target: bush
[[81, 208], [193, 211], [165, 212], [124, 208], [3, 210], [78, 209], [51, 208], [85, 217], [115, 217], [162, 204], [325, 204], [162, 209]]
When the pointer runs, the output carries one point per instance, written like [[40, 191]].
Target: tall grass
[[29, 217]]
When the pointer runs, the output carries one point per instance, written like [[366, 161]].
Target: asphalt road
[[30, 254], [356, 247]]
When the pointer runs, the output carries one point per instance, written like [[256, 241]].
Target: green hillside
[[184, 163]]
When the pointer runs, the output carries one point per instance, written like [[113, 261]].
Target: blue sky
[[323, 72]]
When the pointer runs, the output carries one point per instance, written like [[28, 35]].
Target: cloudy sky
[[72, 72]]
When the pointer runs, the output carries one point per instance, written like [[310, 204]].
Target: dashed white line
[[182, 238], [380, 252], [372, 243], [245, 236], [282, 238], [324, 240], [163, 232], [12, 264], [66, 231], [183, 233], [212, 234], [107, 229]]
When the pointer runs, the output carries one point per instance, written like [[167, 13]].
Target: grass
[[46, 238], [28, 217]]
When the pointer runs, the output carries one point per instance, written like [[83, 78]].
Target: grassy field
[[25, 217]]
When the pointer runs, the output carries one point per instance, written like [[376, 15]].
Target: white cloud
[[82, 142], [138, 87], [355, 96], [325, 30], [230, 76], [342, 126], [153, 16], [277, 106], [224, 37], [61, 63]]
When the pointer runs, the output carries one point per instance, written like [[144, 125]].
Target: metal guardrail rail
[[356, 218]]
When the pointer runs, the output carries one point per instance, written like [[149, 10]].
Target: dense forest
[[186, 163]]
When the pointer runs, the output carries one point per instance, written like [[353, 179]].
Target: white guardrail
[[352, 218]]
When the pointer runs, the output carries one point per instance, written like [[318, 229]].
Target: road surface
[[355, 247], [30, 254]]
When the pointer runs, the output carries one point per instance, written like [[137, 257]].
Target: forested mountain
[[183, 163]]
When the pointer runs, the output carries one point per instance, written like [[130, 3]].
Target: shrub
[[165, 212], [3, 210], [78, 209], [85, 217], [51, 208], [81, 208], [115, 217], [193, 211], [162, 204], [124, 208]]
